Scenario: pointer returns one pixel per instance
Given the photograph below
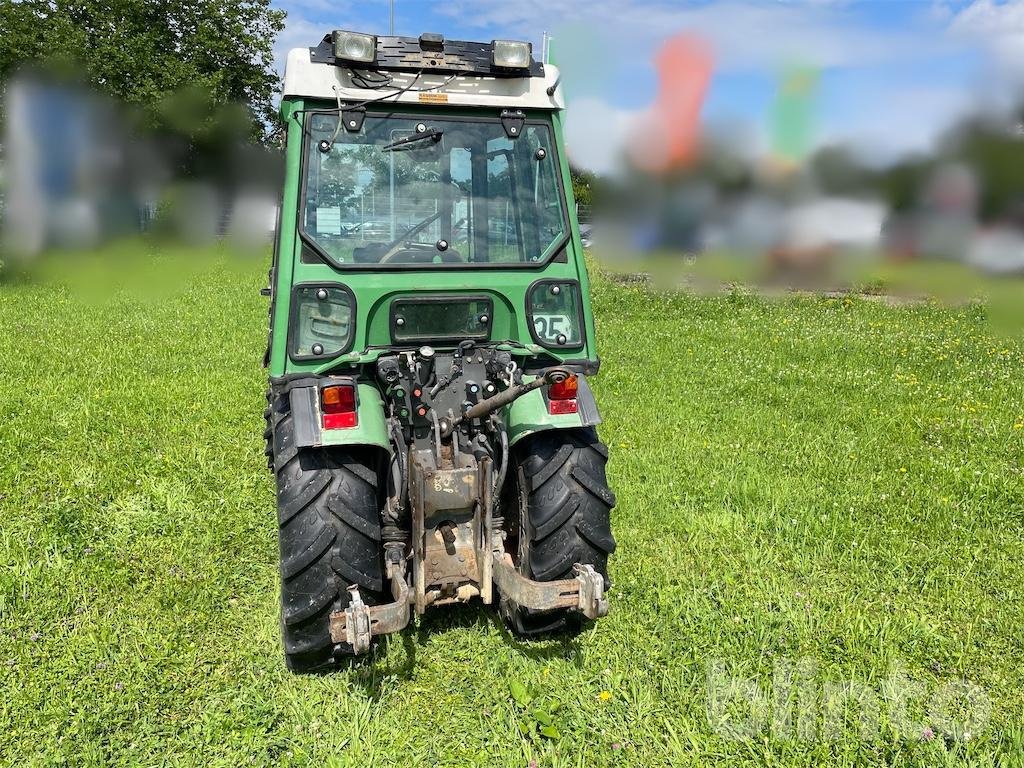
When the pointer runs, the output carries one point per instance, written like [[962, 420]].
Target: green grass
[[833, 481]]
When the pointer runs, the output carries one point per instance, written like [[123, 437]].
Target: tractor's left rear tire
[[328, 509], [560, 510]]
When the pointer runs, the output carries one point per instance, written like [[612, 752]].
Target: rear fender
[[529, 414], [304, 399]]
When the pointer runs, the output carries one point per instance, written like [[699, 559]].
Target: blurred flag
[[669, 138], [792, 126]]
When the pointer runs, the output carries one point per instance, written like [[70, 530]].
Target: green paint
[[371, 428], [529, 414], [374, 290]]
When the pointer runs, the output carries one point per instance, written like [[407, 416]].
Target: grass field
[[834, 485]]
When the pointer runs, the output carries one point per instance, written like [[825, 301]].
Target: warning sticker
[[434, 98]]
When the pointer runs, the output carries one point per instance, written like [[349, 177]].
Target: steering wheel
[[396, 245], [400, 250]]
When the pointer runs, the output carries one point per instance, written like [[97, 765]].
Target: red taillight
[[338, 404], [562, 396]]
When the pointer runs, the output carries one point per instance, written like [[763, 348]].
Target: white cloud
[[998, 28], [596, 133], [298, 32], [900, 119]]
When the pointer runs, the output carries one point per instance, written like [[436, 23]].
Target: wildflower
[[927, 734], [605, 695], [616, 746], [533, 764]]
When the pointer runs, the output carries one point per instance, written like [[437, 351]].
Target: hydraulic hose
[[500, 400]]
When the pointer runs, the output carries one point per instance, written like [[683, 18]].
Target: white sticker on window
[[549, 326]]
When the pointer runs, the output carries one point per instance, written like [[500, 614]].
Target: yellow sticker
[[434, 98]]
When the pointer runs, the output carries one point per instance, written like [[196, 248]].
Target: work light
[[511, 54], [354, 46]]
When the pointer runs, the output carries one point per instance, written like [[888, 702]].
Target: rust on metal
[[358, 623], [584, 593]]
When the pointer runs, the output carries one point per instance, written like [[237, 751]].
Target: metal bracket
[[353, 118], [359, 623], [584, 593], [592, 602], [513, 120]]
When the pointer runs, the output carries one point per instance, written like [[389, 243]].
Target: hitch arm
[[584, 593]]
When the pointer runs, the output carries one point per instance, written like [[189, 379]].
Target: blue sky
[[893, 73]]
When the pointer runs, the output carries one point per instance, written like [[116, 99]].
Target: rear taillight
[[338, 405], [562, 396]]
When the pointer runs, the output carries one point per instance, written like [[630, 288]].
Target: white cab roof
[[303, 78]]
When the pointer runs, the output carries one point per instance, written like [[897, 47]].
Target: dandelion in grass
[[605, 695]]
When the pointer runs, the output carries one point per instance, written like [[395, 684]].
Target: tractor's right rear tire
[[328, 510], [561, 510]]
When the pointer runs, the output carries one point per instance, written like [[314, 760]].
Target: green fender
[[529, 414], [372, 427], [303, 395]]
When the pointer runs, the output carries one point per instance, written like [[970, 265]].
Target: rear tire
[[329, 536], [561, 515]]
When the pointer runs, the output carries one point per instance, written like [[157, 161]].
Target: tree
[[148, 53], [583, 184]]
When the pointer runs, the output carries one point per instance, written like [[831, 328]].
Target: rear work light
[[354, 46], [511, 54], [562, 396], [338, 406]]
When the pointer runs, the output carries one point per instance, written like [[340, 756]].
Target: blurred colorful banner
[[669, 139], [792, 120]]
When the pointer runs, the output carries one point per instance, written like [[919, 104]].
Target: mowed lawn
[[828, 485]]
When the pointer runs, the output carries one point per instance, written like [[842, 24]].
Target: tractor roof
[[433, 70]]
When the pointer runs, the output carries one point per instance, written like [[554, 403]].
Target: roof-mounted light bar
[[430, 52]]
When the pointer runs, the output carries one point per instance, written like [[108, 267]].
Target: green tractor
[[430, 425]]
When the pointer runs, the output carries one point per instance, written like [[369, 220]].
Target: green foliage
[[535, 714], [996, 154], [584, 185], [177, 61]]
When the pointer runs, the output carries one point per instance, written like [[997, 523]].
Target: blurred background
[[795, 144]]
